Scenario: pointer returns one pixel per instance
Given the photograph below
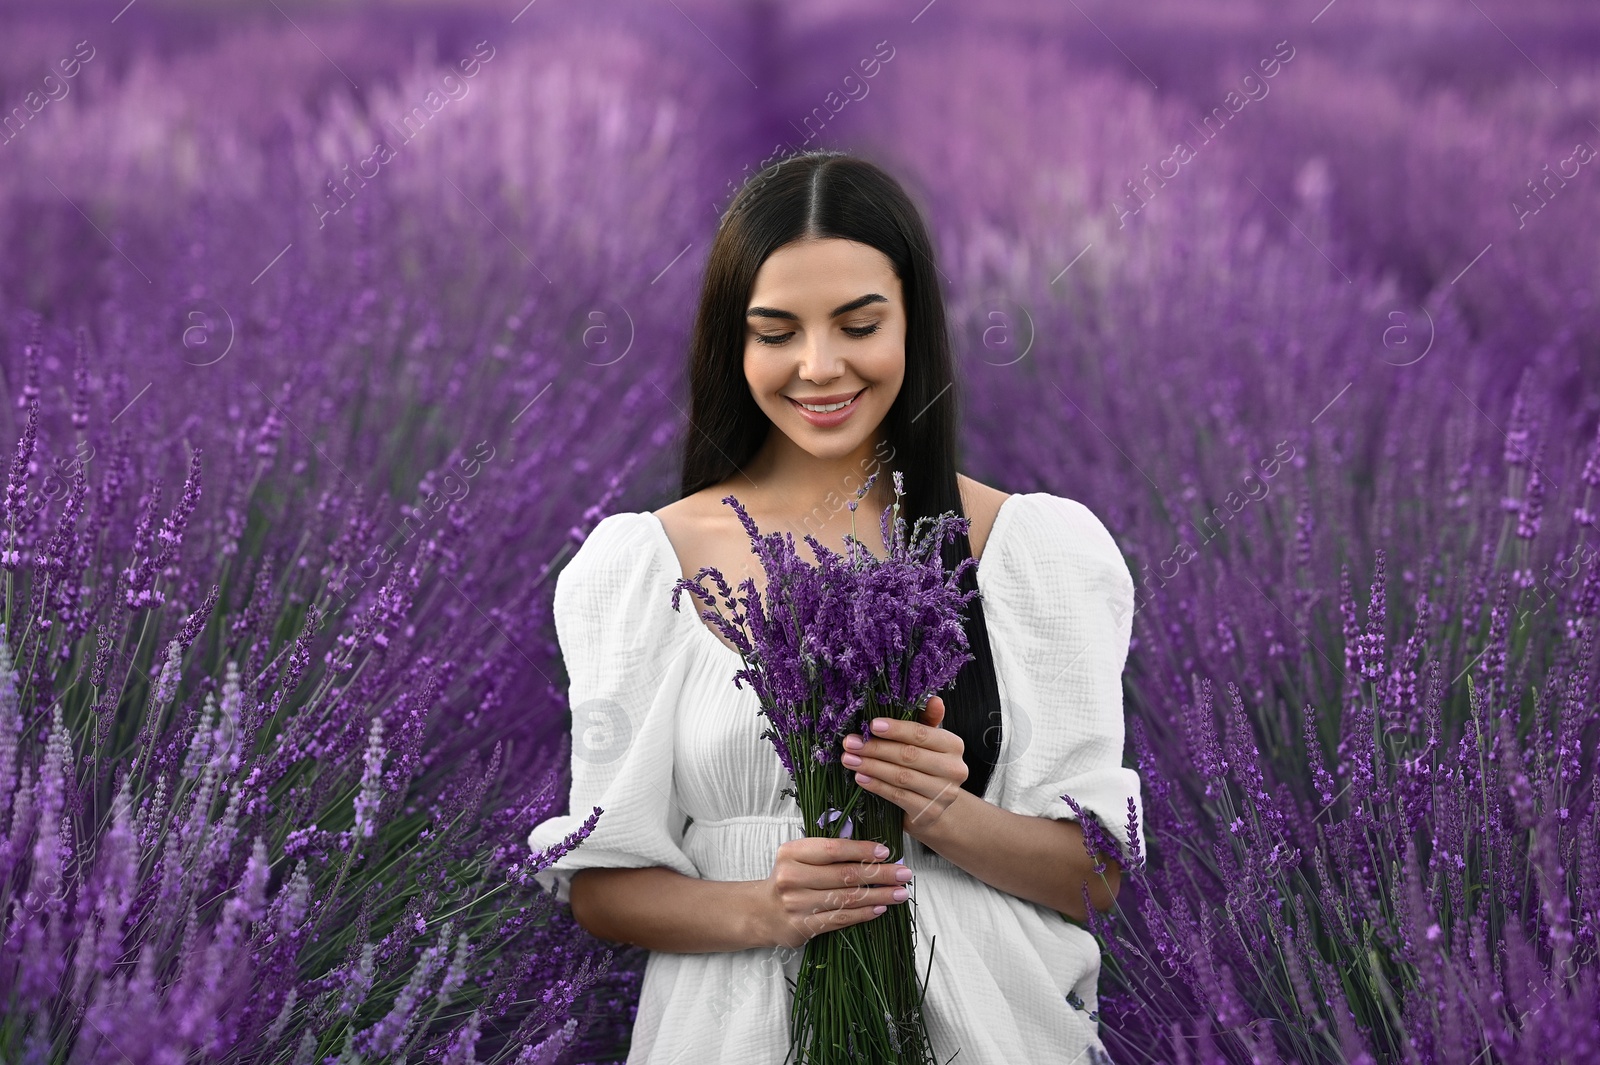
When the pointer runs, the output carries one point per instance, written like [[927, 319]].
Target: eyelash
[[859, 332]]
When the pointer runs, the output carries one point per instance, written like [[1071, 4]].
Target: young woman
[[819, 356]]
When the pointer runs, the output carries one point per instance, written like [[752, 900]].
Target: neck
[[812, 493]]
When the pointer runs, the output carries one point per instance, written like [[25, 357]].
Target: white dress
[[661, 737]]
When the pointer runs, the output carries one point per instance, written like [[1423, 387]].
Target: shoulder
[[701, 530], [981, 504], [618, 555], [613, 533], [613, 598], [1065, 523], [684, 518], [1053, 543]]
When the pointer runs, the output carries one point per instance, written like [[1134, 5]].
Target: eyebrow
[[843, 308]]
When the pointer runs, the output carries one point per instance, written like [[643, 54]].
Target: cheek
[[764, 375], [886, 364]]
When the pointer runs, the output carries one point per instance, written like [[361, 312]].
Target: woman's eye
[[857, 331]]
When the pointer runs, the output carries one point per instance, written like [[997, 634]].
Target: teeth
[[825, 408]]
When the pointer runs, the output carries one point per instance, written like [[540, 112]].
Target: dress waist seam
[[744, 819]]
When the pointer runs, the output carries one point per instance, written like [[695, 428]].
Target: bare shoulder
[[685, 519], [704, 532], [674, 512], [981, 504]]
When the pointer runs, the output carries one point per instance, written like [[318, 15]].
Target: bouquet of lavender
[[827, 649]]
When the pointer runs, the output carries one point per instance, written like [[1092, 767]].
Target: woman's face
[[826, 323]]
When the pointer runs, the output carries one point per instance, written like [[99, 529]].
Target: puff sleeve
[[618, 637], [1063, 599]]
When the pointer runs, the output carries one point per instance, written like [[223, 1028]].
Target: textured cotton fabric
[[672, 752]]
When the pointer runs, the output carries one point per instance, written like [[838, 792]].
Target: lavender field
[[327, 334]]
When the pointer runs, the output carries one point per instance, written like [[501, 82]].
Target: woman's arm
[[660, 909], [917, 764], [1039, 859]]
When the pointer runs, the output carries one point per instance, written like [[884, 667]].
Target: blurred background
[[1298, 297]]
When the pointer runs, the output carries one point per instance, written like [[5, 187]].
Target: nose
[[820, 361]]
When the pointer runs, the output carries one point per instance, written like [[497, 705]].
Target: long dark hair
[[834, 194]]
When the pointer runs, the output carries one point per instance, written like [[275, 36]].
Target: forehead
[[808, 274]]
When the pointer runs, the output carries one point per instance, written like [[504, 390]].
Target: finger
[[913, 734], [933, 712], [920, 806], [824, 852], [898, 783], [883, 878], [870, 874], [858, 896], [894, 761], [848, 874], [827, 920]]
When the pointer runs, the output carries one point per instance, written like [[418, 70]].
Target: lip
[[836, 398], [832, 418]]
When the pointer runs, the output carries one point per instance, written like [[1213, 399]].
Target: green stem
[[858, 986]]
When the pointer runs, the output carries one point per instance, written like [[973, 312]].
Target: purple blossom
[[368, 800], [826, 642]]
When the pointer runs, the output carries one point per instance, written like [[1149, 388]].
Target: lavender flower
[[368, 800], [851, 632], [827, 648]]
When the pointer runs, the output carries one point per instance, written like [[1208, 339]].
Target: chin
[[831, 450]]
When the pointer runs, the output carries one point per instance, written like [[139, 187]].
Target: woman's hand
[[820, 883], [916, 765]]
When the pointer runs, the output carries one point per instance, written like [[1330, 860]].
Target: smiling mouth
[[825, 408]]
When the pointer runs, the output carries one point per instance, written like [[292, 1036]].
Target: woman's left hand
[[916, 765]]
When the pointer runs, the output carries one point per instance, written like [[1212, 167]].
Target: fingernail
[[900, 894], [881, 851], [879, 909]]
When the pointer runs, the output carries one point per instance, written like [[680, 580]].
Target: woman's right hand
[[819, 884]]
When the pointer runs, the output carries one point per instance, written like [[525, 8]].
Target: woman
[[820, 356]]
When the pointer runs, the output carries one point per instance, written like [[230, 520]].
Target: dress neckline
[[674, 566]]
